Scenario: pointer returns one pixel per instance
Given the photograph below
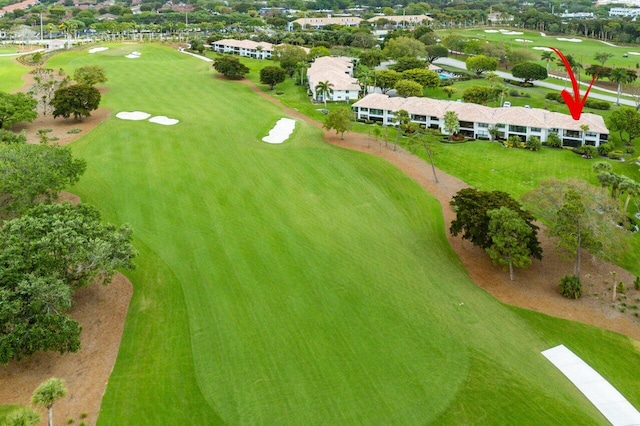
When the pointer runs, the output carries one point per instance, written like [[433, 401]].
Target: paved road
[[460, 64]]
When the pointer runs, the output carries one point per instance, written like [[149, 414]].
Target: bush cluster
[[597, 104], [570, 287], [605, 148], [587, 151], [554, 96], [554, 141]]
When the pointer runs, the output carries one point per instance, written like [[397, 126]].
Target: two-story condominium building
[[400, 20], [247, 48], [338, 71], [476, 120], [317, 23]]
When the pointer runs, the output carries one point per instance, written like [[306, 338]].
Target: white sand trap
[[596, 388], [98, 49], [490, 31], [524, 40], [572, 40], [281, 131], [634, 53], [507, 32], [165, 121], [133, 55], [543, 34], [547, 49], [134, 115]]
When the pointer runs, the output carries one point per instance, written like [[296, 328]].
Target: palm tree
[[402, 120], [547, 55], [301, 67], [48, 393], [620, 76], [631, 188], [325, 89], [24, 416]]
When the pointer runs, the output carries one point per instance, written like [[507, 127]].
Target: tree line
[[48, 249]]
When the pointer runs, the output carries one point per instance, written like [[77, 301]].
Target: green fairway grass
[[11, 74], [300, 283]]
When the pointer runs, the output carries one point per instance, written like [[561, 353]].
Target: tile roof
[[345, 20], [335, 69], [517, 116], [244, 44], [402, 18]]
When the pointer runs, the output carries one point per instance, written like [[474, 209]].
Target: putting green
[[298, 283]]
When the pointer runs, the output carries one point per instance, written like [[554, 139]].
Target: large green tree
[[340, 120], [90, 74], [324, 89], [436, 51], [289, 56], [77, 100], [622, 76], [580, 216], [478, 94], [45, 254], [480, 64], [510, 236], [407, 88], [371, 57], [625, 120], [47, 394], [529, 71], [15, 108], [399, 47], [408, 63], [32, 172], [231, 67], [424, 77], [451, 123], [272, 75], [403, 118], [471, 207], [387, 79]]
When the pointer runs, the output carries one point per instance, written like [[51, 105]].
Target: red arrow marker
[[574, 103]]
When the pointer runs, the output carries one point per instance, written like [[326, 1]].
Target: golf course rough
[[300, 285]]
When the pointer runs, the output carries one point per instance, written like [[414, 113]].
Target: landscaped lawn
[[11, 74], [301, 283]]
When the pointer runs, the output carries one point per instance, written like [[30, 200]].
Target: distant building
[[317, 23], [246, 48], [578, 15], [26, 4], [400, 20], [624, 12]]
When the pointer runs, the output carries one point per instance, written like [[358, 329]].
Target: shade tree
[[77, 100], [231, 67], [402, 46], [529, 71], [424, 77], [451, 123], [472, 219], [340, 120], [90, 75], [510, 236], [272, 75], [581, 216], [436, 51], [625, 120], [15, 108], [480, 64], [407, 88]]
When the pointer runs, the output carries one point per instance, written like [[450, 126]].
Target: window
[[591, 134], [435, 118], [500, 126], [554, 130], [364, 109], [517, 129], [422, 118], [483, 125], [466, 124], [376, 111], [572, 133], [536, 130]]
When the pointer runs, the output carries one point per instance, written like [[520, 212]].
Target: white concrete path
[[596, 388]]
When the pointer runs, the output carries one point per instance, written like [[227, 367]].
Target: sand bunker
[[507, 32], [134, 115], [634, 53], [524, 40], [542, 48], [165, 121], [572, 40], [281, 131], [490, 31], [98, 49], [133, 55]]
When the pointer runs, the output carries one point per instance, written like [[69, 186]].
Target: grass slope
[[299, 283], [11, 74]]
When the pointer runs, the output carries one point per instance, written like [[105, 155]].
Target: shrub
[[74, 131], [534, 143], [513, 142], [636, 283], [513, 92], [554, 97], [605, 148], [615, 155], [554, 141], [587, 151], [570, 287], [597, 104], [621, 287]]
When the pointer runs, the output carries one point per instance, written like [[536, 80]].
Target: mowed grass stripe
[[11, 73], [302, 283]]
